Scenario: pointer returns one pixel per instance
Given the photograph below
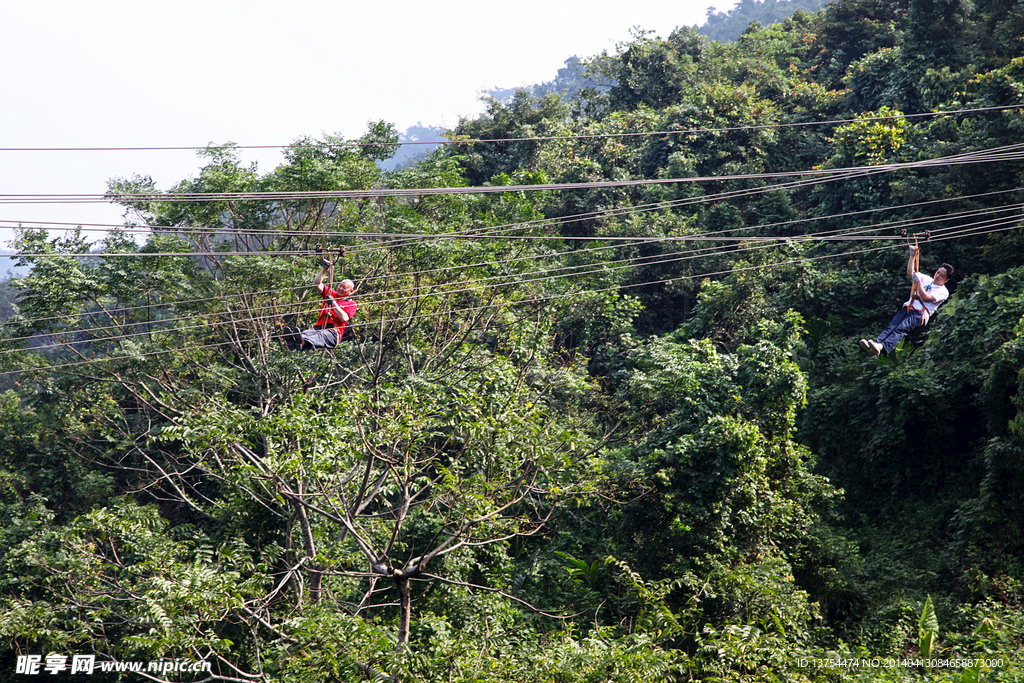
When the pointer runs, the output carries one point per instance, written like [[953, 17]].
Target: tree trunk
[[315, 575], [404, 610]]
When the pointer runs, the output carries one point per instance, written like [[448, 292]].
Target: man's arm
[[910, 262], [338, 310], [318, 281]]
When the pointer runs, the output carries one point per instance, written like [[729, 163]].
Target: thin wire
[[147, 229], [869, 170], [465, 235], [959, 233], [573, 238], [733, 194], [980, 156], [61, 366], [492, 230], [638, 241], [601, 268], [857, 172], [468, 141]]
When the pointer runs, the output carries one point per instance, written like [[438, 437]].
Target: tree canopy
[[601, 415]]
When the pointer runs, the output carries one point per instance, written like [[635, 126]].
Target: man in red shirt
[[336, 311]]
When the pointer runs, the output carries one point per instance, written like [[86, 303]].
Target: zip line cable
[[59, 367], [855, 172], [601, 268], [869, 170], [865, 171], [543, 222], [546, 221], [957, 233], [843, 234], [654, 206], [1004, 153], [636, 241], [859, 170], [544, 138], [413, 240], [463, 310], [276, 232]]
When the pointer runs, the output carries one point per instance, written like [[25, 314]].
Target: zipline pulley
[[329, 265], [927, 235]]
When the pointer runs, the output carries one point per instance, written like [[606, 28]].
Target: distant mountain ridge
[[721, 26], [8, 267], [728, 26], [408, 155]]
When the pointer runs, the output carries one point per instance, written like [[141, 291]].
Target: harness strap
[[915, 293]]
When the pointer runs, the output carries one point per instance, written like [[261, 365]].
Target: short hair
[[949, 270]]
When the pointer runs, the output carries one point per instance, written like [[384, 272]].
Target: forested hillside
[[601, 414], [729, 25]]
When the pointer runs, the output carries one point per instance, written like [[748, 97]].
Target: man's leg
[[901, 325], [319, 339]]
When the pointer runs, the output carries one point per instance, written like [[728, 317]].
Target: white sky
[[134, 73]]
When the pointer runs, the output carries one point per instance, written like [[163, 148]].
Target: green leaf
[[971, 675], [928, 628]]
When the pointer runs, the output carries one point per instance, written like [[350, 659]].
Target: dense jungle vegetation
[[571, 434]]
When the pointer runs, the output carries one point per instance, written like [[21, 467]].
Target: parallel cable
[[701, 237], [382, 235], [395, 238], [522, 279], [541, 138], [59, 367], [1004, 153]]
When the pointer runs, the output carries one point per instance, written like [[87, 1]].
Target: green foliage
[[927, 629], [874, 138], [442, 496], [850, 29], [523, 116], [653, 72]]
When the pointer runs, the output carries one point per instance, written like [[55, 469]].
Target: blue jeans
[[901, 325]]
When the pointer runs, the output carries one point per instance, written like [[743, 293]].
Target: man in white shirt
[[927, 294]]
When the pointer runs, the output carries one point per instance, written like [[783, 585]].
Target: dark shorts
[[326, 338]]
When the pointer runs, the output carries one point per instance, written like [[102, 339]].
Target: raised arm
[[318, 281], [910, 262]]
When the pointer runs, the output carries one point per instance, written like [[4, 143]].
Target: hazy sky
[[117, 73]]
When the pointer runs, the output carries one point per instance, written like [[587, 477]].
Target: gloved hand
[[912, 248], [324, 263]]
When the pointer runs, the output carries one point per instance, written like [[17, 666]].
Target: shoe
[[871, 347], [294, 337]]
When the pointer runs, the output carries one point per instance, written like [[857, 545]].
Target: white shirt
[[925, 285]]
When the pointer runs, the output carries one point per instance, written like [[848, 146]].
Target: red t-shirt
[[328, 316]]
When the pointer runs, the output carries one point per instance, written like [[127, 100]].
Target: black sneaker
[[286, 335], [294, 338]]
